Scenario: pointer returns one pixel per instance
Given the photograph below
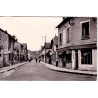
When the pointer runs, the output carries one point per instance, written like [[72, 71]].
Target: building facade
[[3, 48], [24, 52], [11, 42], [45, 53], [54, 46], [6, 48], [18, 48], [11, 51], [77, 43]]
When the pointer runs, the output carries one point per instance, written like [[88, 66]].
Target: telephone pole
[[45, 47]]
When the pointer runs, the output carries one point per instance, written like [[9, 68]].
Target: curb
[[68, 70], [11, 67]]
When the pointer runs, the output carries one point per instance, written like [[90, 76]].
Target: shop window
[[85, 30], [86, 56]]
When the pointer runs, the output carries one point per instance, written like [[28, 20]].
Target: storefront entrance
[[76, 53]]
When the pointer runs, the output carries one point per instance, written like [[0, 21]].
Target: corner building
[[77, 43]]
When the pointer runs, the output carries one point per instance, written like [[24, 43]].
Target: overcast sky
[[31, 29]]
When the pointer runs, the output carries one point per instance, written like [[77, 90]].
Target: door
[[76, 53]]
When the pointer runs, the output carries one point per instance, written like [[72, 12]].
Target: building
[[77, 43], [6, 48], [45, 53], [3, 47], [54, 47], [11, 51], [11, 42], [25, 52], [18, 49]]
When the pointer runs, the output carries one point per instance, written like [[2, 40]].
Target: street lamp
[[45, 47]]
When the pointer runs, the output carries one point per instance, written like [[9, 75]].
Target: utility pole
[[45, 47]]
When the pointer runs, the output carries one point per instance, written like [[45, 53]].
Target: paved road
[[38, 72]]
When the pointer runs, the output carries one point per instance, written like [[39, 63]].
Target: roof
[[24, 45], [4, 31], [48, 46], [54, 41], [64, 21], [42, 47], [7, 33]]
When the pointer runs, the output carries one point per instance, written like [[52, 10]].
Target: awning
[[83, 46], [63, 49], [77, 47]]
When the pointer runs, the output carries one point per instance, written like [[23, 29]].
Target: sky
[[31, 30]]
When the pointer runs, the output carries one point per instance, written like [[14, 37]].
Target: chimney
[[63, 18]]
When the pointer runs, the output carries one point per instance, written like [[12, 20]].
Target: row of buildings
[[75, 47], [11, 51]]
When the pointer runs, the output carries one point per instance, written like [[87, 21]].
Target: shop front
[[84, 58], [65, 58]]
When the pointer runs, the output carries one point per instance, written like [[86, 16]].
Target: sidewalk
[[4, 69], [69, 70]]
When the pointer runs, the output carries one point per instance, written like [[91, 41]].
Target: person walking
[[36, 60]]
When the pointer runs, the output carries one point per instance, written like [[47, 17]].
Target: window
[[60, 36], [68, 35], [86, 56], [85, 30], [9, 43]]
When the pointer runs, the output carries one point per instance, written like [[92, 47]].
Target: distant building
[[25, 51], [30, 55], [77, 43], [45, 53], [54, 47], [18, 49], [11, 42]]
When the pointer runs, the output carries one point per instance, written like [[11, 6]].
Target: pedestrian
[[36, 60]]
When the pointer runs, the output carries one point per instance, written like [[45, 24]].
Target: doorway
[[76, 53]]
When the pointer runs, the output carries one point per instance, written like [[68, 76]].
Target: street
[[38, 72]]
